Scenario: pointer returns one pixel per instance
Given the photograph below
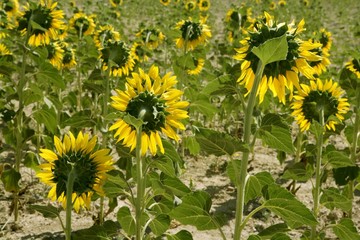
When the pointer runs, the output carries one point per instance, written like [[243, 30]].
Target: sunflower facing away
[[119, 56], [165, 2], [55, 54], [204, 5], [155, 94], [281, 74], [104, 35], [190, 5], [11, 7], [140, 52], [319, 95], [90, 168], [47, 19], [192, 34], [83, 24], [68, 60], [151, 37], [199, 64], [354, 66]]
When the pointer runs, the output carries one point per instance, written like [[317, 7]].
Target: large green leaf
[[46, 116], [47, 211], [160, 224], [346, 230], [115, 184], [299, 171], [217, 143], [181, 235], [48, 74], [338, 159], [272, 50], [230, 170], [10, 178], [274, 229], [174, 185], [165, 165], [191, 144], [332, 198], [204, 107], [194, 210], [126, 220], [80, 120]]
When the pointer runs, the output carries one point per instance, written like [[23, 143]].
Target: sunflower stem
[[139, 181], [241, 178], [69, 191], [317, 188], [78, 69]]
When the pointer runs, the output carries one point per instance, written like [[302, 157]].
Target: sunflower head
[[151, 37], [165, 2], [5, 53], [140, 52], [118, 56], [68, 60], [154, 95], [193, 33], [83, 24], [319, 97], [204, 5], [272, 5], [11, 7], [198, 66], [282, 3], [354, 66], [105, 35], [55, 54], [79, 154], [190, 5], [41, 22], [116, 3]]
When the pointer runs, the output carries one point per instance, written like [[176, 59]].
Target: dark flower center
[[317, 100], [68, 56], [51, 51], [356, 65], [117, 53], [155, 115], [191, 30], [9, 6], [41, 16], [204, 4], [81, 25]]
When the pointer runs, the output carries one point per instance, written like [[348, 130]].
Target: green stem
[[78, 69], [139, 181], [69, 203], [248, 217], [317, 188], [241, 178]]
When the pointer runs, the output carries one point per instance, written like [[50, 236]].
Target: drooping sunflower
[[199, 64], [354, 66], [140, 53], [90, 167], [192, 34], [104, 35], [278, 75], [116, 3], [165, 2], [151, 37], [48, 22], [83, 24], [327, 96], [190, 5], [119, 56], [162, 105], [204, 5], [55, 54], [68, 60], [11, 7]]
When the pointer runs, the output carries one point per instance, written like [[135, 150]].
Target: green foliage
[[47, 211], [272, 50], [346, 230]]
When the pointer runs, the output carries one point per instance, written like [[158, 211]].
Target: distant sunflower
[[68, 60], [281, 74], [324, 38], [272, 5], [190, 5], [55, 54], [47, 18], [140, 53], [306, 3], [204, 5], [119, 56], [238, 21], [104, 35], [192, 34], [282, 3], [83, 24], [354, 66], [199, 64], [316, 96], [165, 2], [11, 7], [151, 37], [156, 95], [90, 168], [4, 51], [116, 3]]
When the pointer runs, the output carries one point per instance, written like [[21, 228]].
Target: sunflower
[[55, 54], [68, 60], [119, 56], [83, 24], [190, 5], [151, 37], [306, 3], [354, 66], [204, 5], [272, 5], [319, 96], [140, 53], [281, 74], [47, 21], [165, 2], [115, 3], [90, 167], [282, 3], [324, 38], [5, 52], [192, 34], [11, 7], [156, 95], [199, 64], [104, 35]]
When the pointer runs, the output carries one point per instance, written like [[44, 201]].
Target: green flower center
[[191, 30], [155, 115], [117, 53], [317, 100], [85, 170], [40, 16], [81, 25]]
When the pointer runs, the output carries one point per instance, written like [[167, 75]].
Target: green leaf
[[345, 174], [280, 236], [230, 170], [48, 74], [126, 220], [10, 178], [254, 237], [299, 171], [252, 188], [165, 165], [174, 185], [332, 198], [181, 235], [272, 50], [278, 138], [47, 116], [338, 159], [171, 152], [115, 184], [80, 120], [346, 230], [160, 224], [191, 144], [133, 121], [274, 229], [194, 210], [219, 144], [36, 26], [109, 230], [47, 211]]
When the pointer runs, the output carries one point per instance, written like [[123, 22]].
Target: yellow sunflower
[[190, 5], [11, 7], [354, 66], [155, 94], [83, 24], [204, 5], [119, 56], [282, 3], [90, 168], [199, 64], [278, 75], [104, 35], [115, 3], [325, 38], [316, 96], [272, 5], [238, 21], [165, 2], [47, 21], [306, 3], [4, 51], [140, 53], [68, 60], [151, 37], [192, 34], [55, 54]]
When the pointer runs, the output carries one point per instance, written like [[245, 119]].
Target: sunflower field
[[180, 119]]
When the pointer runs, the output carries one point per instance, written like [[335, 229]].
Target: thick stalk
[[69, 203], [240, 196], [317, 188], [78, 69]]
